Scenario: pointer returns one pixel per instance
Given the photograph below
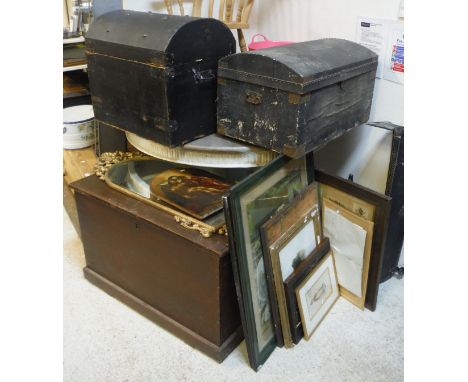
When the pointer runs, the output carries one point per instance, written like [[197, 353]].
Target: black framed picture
[[247, 206]]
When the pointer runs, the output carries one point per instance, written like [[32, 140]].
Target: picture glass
[[317, 294], [297, 249], [348, 242], [256, 204]]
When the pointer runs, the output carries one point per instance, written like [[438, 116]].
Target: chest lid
[[302, 67], [158, 39]]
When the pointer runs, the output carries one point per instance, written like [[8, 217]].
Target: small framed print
[[294, 280], [317, 294]]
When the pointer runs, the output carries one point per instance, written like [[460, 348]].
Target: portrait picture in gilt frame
[[193, 191]]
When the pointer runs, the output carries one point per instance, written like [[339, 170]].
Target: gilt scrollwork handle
[[205, 232], [108, 159]]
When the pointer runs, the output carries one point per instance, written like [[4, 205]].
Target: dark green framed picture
[[247, 206]]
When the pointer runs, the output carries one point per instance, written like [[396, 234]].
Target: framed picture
[[247, 206], [351, 240], [316, 295], [288, 238], [369, 205], [294, 280], [193, 191]]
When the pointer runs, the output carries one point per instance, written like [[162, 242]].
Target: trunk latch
[[254, 98]]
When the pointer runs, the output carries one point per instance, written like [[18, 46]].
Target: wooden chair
[[234, 17]]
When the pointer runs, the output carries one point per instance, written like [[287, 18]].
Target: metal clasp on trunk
[[253, 97], [205, 76]]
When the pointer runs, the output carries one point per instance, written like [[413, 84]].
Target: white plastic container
[[78, 127]]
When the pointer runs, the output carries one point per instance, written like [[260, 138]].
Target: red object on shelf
[[257, 45]]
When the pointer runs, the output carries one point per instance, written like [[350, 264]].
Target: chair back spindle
[[210, 8], [240, 8], [234, 18], [221, 9], [181, 7], [227, 15], [168, 3]]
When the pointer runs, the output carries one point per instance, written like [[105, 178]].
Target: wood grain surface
[[78, 164]]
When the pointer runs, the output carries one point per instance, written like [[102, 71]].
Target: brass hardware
[[223, 230], [188, 224], [253, 98], [108, 159], [297, 99]]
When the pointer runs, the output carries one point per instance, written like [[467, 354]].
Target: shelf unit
[[73, 40], [80, 64]]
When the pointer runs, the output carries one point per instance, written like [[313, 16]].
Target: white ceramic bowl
[[78, 127], [77, 119]]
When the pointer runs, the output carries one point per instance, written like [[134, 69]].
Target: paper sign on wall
[[386, 39], [395, 60]]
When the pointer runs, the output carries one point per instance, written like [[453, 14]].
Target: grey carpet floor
[[106, 341]]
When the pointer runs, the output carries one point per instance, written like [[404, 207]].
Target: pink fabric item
[[256, 45]]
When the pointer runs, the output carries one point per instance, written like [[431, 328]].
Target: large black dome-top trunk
[[155, 75]]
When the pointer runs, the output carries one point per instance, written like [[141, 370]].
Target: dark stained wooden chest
[[295, 98], [173, 276]]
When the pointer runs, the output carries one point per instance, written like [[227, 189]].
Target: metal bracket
[[253, 97], [188, 224], [398, 272]]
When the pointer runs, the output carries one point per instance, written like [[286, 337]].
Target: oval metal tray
[[210, 151]]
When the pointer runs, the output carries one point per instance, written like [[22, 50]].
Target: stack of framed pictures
[[298, 241], [310, 290], [289, 238], [246, 207]]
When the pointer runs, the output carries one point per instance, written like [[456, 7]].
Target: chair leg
[[242, 44]]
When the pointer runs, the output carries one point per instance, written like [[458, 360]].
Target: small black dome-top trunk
[[295, 98]]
